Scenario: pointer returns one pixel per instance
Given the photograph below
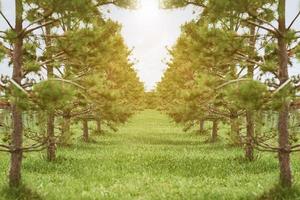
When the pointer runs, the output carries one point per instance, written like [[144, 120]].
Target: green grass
[[149, 158]]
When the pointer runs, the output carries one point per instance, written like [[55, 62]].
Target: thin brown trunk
[[214, 135], [51, 149], [259, 123], [65, 129], [201, 126], [85, 130], [99, 129], [283, 139], [235, 130], [17, 120], [16, 143], [249, 152], [284, 154]]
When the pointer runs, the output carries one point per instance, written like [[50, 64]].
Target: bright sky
[[149, 30]]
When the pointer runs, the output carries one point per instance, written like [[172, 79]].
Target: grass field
[[149, 158]]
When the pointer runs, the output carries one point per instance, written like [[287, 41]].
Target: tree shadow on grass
[[20, 193], [279, 193]]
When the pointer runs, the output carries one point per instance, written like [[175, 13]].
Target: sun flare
[[148, 9]]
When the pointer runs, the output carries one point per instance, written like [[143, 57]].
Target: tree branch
[[25, 32], [18, 86], [67, 81], [293, 21], [7, 21], [37, 21], [232, 81], [105, 3], [275, 32], [195, 4], [4, 146], [282, 86]]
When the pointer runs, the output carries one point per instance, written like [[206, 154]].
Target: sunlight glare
[[148, 9]]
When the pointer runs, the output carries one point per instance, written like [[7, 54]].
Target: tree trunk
[[235, 130], [17, 120], [259, 123], [214, 135], [65, 138], [85, 130], [201, 126], [99, 129], [249, 152], [16, 143], [51, 149], [284, 152], [283, 139]]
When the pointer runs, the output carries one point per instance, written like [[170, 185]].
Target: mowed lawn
[[149, 158]]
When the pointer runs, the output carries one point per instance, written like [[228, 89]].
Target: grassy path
[[149, 158]]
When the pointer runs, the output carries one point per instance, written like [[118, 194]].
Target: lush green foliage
[[69, 64], [229, 68], [235, 59], [89, 74], [149, 158]]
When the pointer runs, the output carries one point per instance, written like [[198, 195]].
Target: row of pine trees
[[69, 64], [231, 66]]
